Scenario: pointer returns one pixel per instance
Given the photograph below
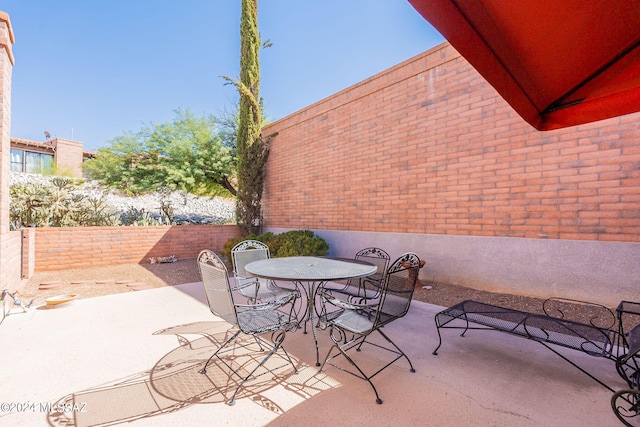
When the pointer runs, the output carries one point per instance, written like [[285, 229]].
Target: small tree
[[185, 154], [252, 150]]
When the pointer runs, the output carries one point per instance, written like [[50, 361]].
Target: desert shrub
[[290, 243], [27, 205], [141, 217], [37, 205], [98, 213]]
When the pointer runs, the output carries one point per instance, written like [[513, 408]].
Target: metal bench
[[598, 338]]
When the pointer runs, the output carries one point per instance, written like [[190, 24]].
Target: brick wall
[[429, 147], [6, 70], [82, 247], [427, 157], [10, 241]]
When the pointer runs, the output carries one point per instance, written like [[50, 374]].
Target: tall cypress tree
[[252, 150]]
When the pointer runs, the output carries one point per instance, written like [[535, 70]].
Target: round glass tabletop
[[309, 268]]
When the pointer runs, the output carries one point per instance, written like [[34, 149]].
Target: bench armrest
[[563, 308]]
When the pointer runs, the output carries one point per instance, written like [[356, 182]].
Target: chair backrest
[[397, 289], [246, 252], [242, 254], [215, 279], [377, 257]]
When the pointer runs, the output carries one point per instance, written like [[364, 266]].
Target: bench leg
[[435, 352], [466, 328]]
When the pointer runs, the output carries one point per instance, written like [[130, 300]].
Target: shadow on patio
[[116, 359]]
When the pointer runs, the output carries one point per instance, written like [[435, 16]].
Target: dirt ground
[[97, 281]]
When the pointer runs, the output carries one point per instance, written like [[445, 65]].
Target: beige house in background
[[62, 155]]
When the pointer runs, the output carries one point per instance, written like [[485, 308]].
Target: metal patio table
[[310, 273]]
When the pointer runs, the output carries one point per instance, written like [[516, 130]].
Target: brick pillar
[[6, 67], [28, 266]]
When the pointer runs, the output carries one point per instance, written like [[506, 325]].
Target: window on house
[[29, 161], [17, 160], [38, 162]]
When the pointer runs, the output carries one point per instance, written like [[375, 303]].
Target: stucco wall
[[427, 157], [68, 157], [587, 270]]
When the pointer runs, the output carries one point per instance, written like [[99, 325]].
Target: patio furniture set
[[352, 311], [353, 298]]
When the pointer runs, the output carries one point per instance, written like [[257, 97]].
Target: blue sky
[[91, 70]]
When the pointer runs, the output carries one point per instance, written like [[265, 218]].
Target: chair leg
[[257, 340], [336, 340], [277, 338], [397, 348], [626, 406], [204, 368]]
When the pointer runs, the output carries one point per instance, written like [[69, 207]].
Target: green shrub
[[298, 243], [290, 243]]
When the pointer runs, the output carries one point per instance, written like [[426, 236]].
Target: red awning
[[558, 63]]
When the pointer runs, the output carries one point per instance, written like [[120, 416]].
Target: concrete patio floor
[[135, 357]]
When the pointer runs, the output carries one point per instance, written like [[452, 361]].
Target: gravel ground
[[98, 281]]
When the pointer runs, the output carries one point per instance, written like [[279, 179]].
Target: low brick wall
[[82, 247]]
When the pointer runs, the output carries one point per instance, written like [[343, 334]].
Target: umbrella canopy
[[558, 63]]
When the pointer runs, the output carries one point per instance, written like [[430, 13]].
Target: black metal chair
[[256, 289], [254, 319], [365, 287], [352, 320], [626, 402]]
